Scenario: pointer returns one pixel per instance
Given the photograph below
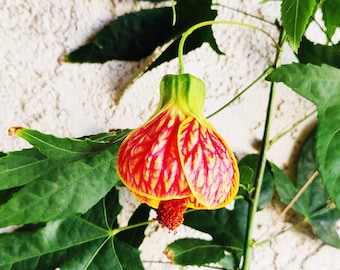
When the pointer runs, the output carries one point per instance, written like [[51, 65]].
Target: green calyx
[[185, 91]]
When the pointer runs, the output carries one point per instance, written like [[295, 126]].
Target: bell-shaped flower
[[177, 160]]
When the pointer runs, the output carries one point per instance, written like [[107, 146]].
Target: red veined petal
[[209, 165], [148, 159]]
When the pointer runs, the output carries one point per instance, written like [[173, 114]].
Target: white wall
[[40, 92]]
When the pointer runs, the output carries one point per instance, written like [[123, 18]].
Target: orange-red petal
[[148, 159], [208, 164]]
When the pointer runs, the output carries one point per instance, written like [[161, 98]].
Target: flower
[[177, 160]]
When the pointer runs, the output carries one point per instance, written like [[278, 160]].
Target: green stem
[[206, 23], [245, 13], [118, 230], [249, 243], [329, 39], [258, 244], [174, 16], [264, 73], [280, 135]]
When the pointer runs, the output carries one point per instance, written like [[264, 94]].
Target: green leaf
[[191, 251], [135, 236], [267, 189], [318, 54], [114, 136], [195, 40], [132, 36], [331, 18], [55, 236], [66, 149], [320, 84], [77, 242], [324, 224], [136, 35], [130, 262], [315, 196], [295, 16], [105, 212], [111, 253], [22, 167], [81, 256], [226, 227], [72, 188], [5, 195], [313, 203], [246, 174]]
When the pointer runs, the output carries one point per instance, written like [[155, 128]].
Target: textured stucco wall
[[40, 92]]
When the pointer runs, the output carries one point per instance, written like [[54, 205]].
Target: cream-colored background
[[39, 91]]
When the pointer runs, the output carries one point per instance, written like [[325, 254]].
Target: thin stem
[[174, 16], [245, 13], [289, 206], [329, 39], [258, 183], [118, 230], [280, 135], [206, 23], [264, 73], [256, 243], [249, 245]]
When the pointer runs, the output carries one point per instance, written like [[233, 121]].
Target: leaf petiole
[[115, 231], [257, 243], [174, 15]]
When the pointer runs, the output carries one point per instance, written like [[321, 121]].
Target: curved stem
[[206, 23], [249, 243], [293, 126], [257, 244], [329, 39], [264, 73], [174, 16]]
